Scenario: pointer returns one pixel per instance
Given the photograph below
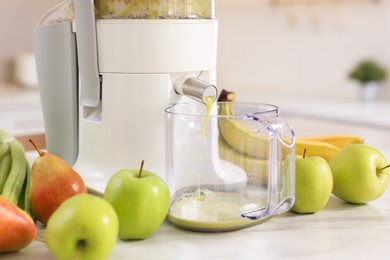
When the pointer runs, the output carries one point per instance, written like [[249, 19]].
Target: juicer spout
[[199, 90]]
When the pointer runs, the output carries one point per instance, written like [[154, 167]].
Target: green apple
[[141, 200], [360, 173], [83, 227], [313, 184]]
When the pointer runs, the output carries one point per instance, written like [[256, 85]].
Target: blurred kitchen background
[[301, 47], [294, 53]]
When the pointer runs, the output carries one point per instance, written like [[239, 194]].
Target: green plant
[[368, 70]]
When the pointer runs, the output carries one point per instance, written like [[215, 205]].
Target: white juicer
[[104, 84]]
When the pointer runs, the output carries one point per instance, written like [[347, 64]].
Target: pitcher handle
[[281, 173]]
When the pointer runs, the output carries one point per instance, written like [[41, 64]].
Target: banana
[[17, 174], [339, 141], [226, 96], [256, 169], [239, 136], [316, 148], [239, 145]]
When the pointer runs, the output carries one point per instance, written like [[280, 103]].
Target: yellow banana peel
[[316, 148], [237, 136], [256, 169], [339, 141], [240, 137]]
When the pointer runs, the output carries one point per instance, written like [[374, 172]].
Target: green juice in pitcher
[[214, 211]]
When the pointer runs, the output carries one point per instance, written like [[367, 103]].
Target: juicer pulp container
[[230, 169]]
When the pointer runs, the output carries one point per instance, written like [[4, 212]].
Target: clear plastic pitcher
[[231, 169]]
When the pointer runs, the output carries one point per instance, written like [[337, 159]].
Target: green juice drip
[[208, 101]]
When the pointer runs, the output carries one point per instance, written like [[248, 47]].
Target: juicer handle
[[87, 53]]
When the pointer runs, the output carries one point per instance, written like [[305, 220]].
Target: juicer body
[[120, 121]]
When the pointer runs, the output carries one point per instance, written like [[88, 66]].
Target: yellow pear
[[52, 182]]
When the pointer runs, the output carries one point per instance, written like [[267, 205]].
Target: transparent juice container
[[154, 9], [231, 169], [135, 9]]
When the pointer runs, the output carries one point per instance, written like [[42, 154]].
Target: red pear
[[52, 182], [17, 229]]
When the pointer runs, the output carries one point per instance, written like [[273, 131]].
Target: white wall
[[18, 19], [259, 47]]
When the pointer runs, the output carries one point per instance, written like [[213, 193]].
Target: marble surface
[[339, 231]]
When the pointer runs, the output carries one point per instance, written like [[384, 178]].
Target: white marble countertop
[[339, 231]]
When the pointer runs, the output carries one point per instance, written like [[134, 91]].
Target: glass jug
[[230, 169]]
